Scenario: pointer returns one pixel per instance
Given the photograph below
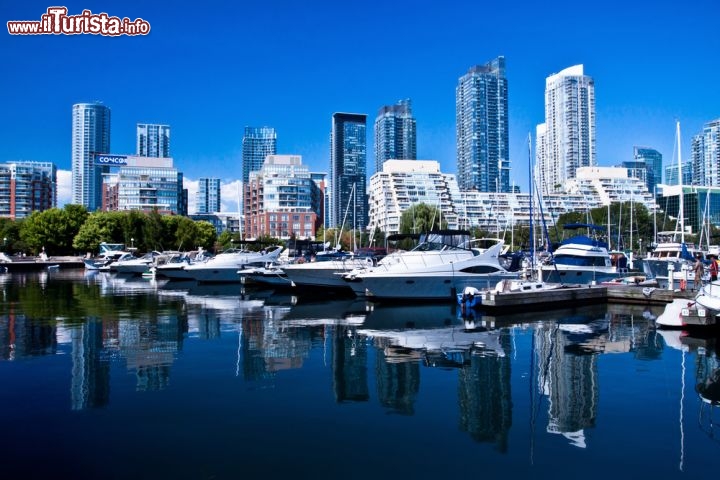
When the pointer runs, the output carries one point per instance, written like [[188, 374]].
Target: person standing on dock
[[713, 268], [698, 271]]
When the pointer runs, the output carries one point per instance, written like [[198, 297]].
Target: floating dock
[[526, 300], [644, 295], [576, 295]]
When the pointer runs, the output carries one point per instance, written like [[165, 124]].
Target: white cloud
[[230, 194], [64, 187]]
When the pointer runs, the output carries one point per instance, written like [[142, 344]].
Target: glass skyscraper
[[208, 196], [90, 136], [395, 137], [483, 145], [569, 128], [652, 160], [258, 143], [348, 142], [705, 155], [153, 140]]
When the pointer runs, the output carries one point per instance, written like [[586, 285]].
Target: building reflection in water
[[90, 383]]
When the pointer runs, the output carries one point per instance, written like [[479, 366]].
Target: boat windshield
[[577, 261]]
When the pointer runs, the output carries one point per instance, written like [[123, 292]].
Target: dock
[[34, 264], [575, 295], [645, 295], [526, 300]]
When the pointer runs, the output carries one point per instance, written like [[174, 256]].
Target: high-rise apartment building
[[348, 142], [208, 196], [90, 136], [395, 137], [705, 155], [569, 128], [402, 184], [153, 140], [483, 145], [258, 143], [27, 187]]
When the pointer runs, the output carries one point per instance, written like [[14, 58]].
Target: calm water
[[119, 377]]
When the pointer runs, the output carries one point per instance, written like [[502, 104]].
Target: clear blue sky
[[211, 68]]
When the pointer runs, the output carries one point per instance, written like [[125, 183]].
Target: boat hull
[[429, 286]]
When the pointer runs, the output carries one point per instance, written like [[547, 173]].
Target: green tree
[[100, 227], [152, 231], [223, 240], [420, 218], [53, 229], [206, 235]]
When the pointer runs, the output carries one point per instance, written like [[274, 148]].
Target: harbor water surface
[[107, 376]]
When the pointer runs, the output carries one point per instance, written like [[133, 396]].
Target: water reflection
[[388, 355]]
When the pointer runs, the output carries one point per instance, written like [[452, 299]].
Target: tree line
[[72, 230]]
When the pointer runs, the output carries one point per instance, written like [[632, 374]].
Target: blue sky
[[211, 68]]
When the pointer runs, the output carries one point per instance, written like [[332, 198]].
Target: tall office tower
[[90, 135], [652, 160], [569, 138], [258, 143], [705, 155], [348, 168], [395, 134], [153, 140], [483, 146], [208, 196]]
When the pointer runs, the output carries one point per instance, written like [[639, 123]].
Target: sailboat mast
[[530, 175], [681, 214]]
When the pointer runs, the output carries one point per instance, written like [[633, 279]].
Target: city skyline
[[292, 80]]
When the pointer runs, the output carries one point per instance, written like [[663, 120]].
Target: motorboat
[[583, 259], [109, 253], [671, 255], [471, 297], [270, 274], [223, 267], [135, 265], [443, 263], [174, 267], [325, 270]]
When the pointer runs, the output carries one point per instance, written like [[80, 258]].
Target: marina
[[215, 374]]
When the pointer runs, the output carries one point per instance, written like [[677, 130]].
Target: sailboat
[[672, 253]]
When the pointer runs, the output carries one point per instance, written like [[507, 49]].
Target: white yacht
[[442, 264], [582, 259], [669, 251], [109, 252], [325, 270], [223, 267], [174, 268], [133, 264]]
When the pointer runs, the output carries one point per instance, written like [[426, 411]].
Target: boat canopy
[[584, 240], [575, 226]]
